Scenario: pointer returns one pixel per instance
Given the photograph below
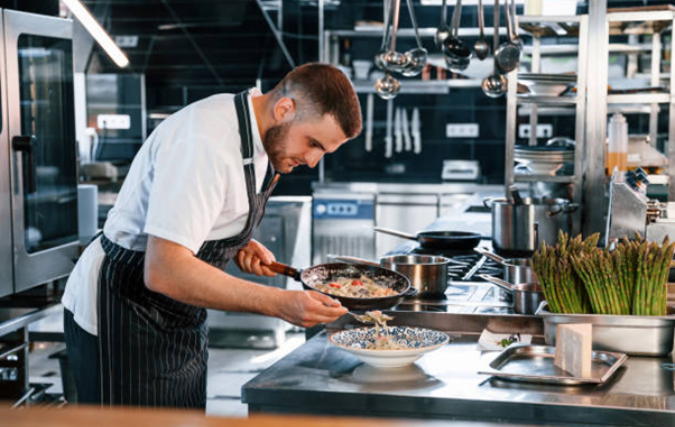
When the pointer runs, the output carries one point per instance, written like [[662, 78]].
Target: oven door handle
[[26, 144]]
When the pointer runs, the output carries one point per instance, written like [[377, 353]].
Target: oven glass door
[[42, 125]]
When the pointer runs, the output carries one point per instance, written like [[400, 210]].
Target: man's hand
[[253, 258], [308, 308]]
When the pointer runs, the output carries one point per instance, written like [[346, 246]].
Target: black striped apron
[[153, 349]]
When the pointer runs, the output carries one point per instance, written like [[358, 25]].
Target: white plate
[[356, 341]]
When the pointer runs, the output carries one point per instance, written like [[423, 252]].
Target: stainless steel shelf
[[529, 99], [639, 98], [423, 87], [565, 49], [408, 32], [525, 110], [544, 178]]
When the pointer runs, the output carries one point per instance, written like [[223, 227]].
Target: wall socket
[[462, 130], [113, 121], [543, 131]]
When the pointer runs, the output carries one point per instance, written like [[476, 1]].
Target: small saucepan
[[427, 274], [516, 270], [438, 239], [527, 296], [323, 273]]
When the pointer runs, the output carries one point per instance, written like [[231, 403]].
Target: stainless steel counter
[[318, 378]]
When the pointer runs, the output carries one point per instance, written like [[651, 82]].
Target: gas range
[[466, 292]]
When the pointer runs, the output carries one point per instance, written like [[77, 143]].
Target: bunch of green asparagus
[[578, 277], [563, 288]]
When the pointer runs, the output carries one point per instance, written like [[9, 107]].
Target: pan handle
[[542, 307], [284, 269], [395, 233], [491, 255], [353, 260], [411, 292], [498, 282]]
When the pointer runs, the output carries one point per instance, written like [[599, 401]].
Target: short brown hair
[[323, 89]]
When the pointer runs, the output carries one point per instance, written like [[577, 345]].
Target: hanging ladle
[[507, 56], [388, 87], [443, 31], [379, 56], [495, 84], [417, 57], [457, 54], [514, 20], [395, 61], [481, 48]]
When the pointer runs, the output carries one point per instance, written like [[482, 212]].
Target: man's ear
[[284, 110]]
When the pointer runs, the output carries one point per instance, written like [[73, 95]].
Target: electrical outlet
[[462, 130], [543, 131], [113, 121]]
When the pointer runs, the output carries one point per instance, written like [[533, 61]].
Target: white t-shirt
[[186, 185]]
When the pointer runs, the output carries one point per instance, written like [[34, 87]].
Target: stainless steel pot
[[527, 297], [519, 229], [516, 270], [427, 274]]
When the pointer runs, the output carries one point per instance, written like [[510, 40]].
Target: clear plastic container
[[617, 151]]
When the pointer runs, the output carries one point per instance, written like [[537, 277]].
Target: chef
[[135, 303]]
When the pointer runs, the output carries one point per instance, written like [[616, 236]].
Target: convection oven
[[38, 164]]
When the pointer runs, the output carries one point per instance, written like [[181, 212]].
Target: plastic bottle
[[617, 152]]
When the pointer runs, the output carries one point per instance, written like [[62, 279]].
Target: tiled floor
[[229, 369]]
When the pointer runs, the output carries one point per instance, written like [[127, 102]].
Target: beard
[[274, 144]]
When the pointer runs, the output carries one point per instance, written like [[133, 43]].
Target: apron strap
[[244, 126]]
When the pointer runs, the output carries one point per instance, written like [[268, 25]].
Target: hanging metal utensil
[[417, 57], [389, 139], [481, 48], [507, 56], [387, 87], [457, 54], [443, 31], [395, 61], [370, 105], [384, 47], [495, 84], [515, 38]]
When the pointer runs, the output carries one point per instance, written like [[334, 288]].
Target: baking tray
[[634, 335], [534, 364]]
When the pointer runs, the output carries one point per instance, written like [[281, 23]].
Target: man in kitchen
[[135, 302]]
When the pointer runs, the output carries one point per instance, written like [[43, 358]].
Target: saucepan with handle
[[325, 273], [516, 270], [526, 296]]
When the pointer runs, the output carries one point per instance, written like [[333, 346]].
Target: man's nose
[[313, 159]]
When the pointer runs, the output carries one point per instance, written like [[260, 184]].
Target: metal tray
[[534, 364], [634, 335]]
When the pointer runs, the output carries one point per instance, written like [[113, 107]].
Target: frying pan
[[323, 273], [438, 239]]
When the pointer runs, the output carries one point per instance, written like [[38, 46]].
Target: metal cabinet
[[39, 162]]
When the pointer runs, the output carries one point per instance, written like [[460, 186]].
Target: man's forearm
[[173, 271]]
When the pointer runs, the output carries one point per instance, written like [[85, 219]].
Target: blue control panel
[[343, 209]]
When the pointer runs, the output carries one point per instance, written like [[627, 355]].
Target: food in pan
[[579, 277], [363, 287]]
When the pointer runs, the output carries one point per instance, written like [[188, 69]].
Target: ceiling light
[[97, 32]]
